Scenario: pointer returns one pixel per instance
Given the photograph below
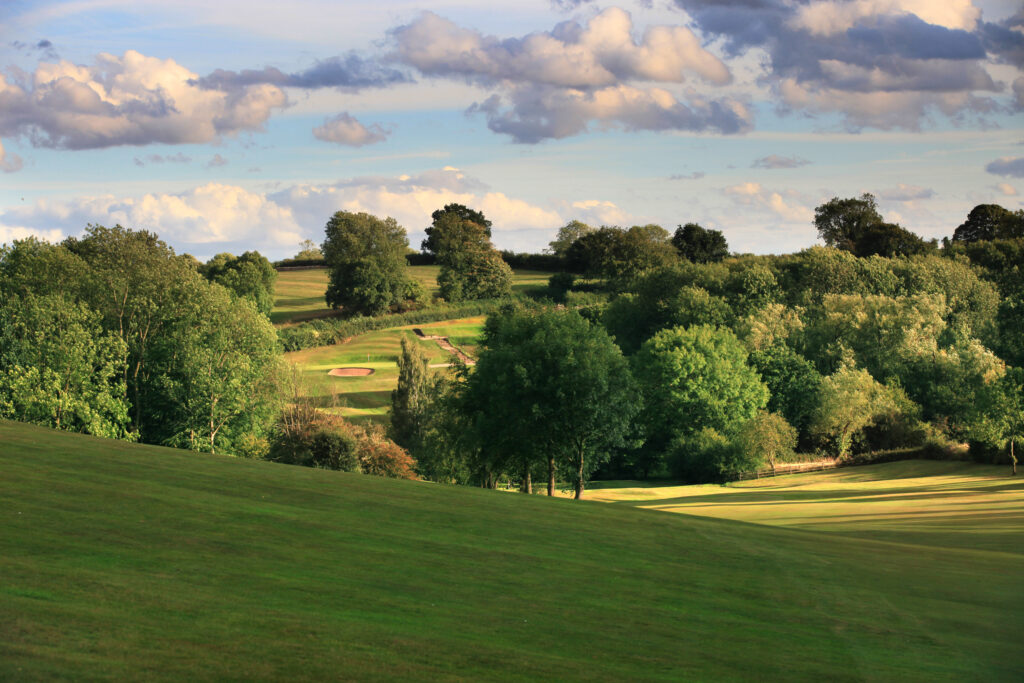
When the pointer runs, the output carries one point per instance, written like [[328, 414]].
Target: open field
[[946, 504], [369, 397], [299, 294], [129, 562]]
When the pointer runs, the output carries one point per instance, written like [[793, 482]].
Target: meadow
[[299, 294], [368, 398], [122, 561]]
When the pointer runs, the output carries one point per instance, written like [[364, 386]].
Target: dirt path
[[445, 344]]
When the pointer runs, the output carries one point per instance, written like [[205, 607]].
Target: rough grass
[[368, 398], [129, 562], [299, 294], [947, 504]]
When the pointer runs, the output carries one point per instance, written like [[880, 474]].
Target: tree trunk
[[579, 477], [551, 475], [1013, 458], [527, 483]]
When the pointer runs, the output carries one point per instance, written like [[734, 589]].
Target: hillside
[[128, 562]]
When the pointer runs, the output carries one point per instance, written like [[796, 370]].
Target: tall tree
[[567, 234], [699, 244], [441, 220], [549, 387], [470, 266], [841, 223], [366, 257], [850, 400], [249, 276], [695, 377], [990, 222], [409, 400]]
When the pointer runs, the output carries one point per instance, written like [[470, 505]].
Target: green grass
[[299, 294], [129, 562], [946, 504], [369, 398]]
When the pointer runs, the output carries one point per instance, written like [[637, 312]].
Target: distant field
[[369, 397], [947, 504], [299, 294], [133, 562]]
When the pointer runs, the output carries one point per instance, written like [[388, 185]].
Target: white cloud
[[1007, 190], [829, 17], [128, 100], [9, 233], [783, 204], [597, 212], [344, 129]]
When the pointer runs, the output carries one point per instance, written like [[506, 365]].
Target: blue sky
[[247, 124]]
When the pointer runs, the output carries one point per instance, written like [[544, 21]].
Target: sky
[[243, 125]]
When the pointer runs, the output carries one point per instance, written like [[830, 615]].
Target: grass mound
[[125, 561]]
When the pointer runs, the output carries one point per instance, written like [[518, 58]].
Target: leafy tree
[[633, 319], [889, 239], [990, 222], [409, 401], [381, 457], [699, 244], [307, 437], [470, 267], [549, 387], [308, 251], [766, 438], [850, 400], [841, 223], [59, 368], [444, 218], [366, 257], [693, 378], [617, 254], [998, 419], [793, 384], [249, 276], [567, 234]]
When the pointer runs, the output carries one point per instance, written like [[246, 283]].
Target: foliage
[[409, 398], [308, 251], [470, 267], [889, 240], [617, 254], [842, 222], [793, 384], [765, 438], [249, 276], [850, 400], [307, 437], [567, 234], [998, 416], [366, 256], [990, 222], [695, 377], [381, 457], [548, 388], [450, 215], [699, 244], [59, 368]]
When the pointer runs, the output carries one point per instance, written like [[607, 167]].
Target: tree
[[700, 245], [441, 218], [990, 222], [381, 457], [366, 257], [617, 254], [889, 240], [409, 400], [59, 368], [308, 251], [249, 276], [850, 400], [792, 382], [549, 387], [470, 266], [766, 438], [841, 223], [567, 234], [695, 377], [998, 416]]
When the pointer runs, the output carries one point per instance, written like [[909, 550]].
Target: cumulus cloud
[[347, 72], [128, 100], [879, 63], [344, 129], [784, 204], [906, 193], [178, 158], [9, 162], [1007, 166], [554, 84], [773, 161], [210, 214], [598, 212], [1006, 189]]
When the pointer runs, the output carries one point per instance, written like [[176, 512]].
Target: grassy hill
[[129, 562]]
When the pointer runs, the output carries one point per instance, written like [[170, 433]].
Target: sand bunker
[[350, 372]]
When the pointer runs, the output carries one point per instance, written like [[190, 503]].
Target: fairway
[[299, 294], [127, 562], [947, 504], [368, 398]]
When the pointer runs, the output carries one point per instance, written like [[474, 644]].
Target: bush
[[382, 457]]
